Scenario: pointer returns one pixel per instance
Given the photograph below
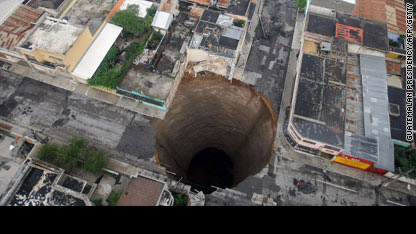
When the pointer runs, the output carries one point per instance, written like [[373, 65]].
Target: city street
[[61, 114]]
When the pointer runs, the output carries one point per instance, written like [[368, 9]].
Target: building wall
[[80, 46], [10, 56]]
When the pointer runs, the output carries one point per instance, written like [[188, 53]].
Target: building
[[16, 22], [143, 191], [340, 105], [216, 43], [62, 44], [161, 21], [345, 6]]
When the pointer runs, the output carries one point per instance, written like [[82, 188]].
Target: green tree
[[48, 152], [129, 20], [151, 11], [109, 59], [180, 199], [74, 153], [69, 155], [94, 161], [301, 4], [108, 78]]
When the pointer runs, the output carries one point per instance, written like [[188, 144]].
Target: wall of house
[[78, 49], [9, 56]]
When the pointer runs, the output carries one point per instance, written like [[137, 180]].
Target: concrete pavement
[[68, 84]]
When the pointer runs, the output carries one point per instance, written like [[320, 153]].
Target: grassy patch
[[113, 198], [98, 202]]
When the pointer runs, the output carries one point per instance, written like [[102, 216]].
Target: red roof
[[15, 28], [141, 192], [350, 33]]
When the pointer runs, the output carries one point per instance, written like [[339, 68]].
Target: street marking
[[395, 203], [337, 186]]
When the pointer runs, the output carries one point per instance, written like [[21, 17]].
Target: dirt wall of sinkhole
[[209, 111]]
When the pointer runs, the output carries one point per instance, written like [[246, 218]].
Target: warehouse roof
[[376, 107], [89, 63], [320, 100]]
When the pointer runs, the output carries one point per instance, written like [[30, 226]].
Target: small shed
[[162, 21]]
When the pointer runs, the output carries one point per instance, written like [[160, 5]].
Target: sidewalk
[[70, 85]]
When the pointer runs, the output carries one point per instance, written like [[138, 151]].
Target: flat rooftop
[[346, 6], [141, 192], [37, 190], [374, 33], [320, 101], [54, 36], [397, 109], [85, 11], [148, 83], [50, 4], [220, 3], [238, 7], [392, 12], [216, 33]]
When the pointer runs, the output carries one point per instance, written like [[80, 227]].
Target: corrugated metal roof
[[376, 107], [224, 20], [89, 63], [7, 7], [17, 26], [196, 41], [361, 147], [162, 20]]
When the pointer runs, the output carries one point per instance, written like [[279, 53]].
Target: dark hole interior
[[210, 166]]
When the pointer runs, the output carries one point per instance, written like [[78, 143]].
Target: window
[[331, 148], [57, 60], [31, 58], [309, 142]]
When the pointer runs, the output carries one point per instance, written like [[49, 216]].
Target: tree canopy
[[129, 21], [301, 4], [73, 154]]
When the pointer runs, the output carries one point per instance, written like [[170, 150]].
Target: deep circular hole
[[210, 167], [216, 132]]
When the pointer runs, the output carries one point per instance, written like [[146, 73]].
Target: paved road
[[62, 114]]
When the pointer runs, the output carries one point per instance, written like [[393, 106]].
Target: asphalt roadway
[[62, 114]]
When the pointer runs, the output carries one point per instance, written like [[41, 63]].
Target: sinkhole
[[216, 132]]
